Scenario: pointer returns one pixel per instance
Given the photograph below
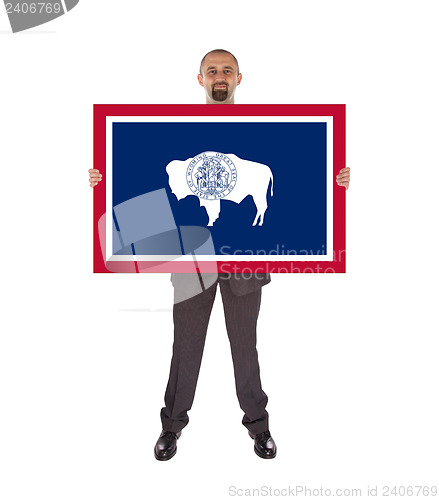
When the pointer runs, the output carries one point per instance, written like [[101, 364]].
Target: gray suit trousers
[[191, 319]]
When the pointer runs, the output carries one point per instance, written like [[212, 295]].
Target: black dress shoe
[[265, 447], [166, 446]]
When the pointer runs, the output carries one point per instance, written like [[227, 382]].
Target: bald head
[[219, 75], [218, 51]]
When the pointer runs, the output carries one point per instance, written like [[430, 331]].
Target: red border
[[337, 111]]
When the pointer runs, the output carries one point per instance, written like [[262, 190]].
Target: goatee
[[220, 94]]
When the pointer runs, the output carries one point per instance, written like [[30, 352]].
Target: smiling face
[[219, 76]]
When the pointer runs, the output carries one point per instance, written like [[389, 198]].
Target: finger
[[93, 184], [346, 169], [93, 170], [343, 177], [96, 177], [344, 184]]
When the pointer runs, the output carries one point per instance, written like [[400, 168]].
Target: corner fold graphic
[[25, 15], [70, 4]]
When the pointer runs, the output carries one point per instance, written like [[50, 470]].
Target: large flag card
[[231, 188]]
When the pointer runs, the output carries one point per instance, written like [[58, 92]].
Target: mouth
[[220, 87]]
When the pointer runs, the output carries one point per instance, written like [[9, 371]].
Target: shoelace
[[263, 435], [170, 434]]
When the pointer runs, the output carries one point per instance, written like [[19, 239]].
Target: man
[[219, 76]]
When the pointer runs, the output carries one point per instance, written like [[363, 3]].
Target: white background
[[349, 362]]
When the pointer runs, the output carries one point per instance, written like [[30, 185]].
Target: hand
[[343, 177], [95, 177]]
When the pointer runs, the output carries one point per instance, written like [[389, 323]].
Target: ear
[[239, 79], [200, 80]]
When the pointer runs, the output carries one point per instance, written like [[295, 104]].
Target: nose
[[221, 78]]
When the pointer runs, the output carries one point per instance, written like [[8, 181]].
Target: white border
[[328, 257]]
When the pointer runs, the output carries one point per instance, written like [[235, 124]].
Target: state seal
[[211, 175]]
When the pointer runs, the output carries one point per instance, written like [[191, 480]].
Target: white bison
[[213, 176]]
